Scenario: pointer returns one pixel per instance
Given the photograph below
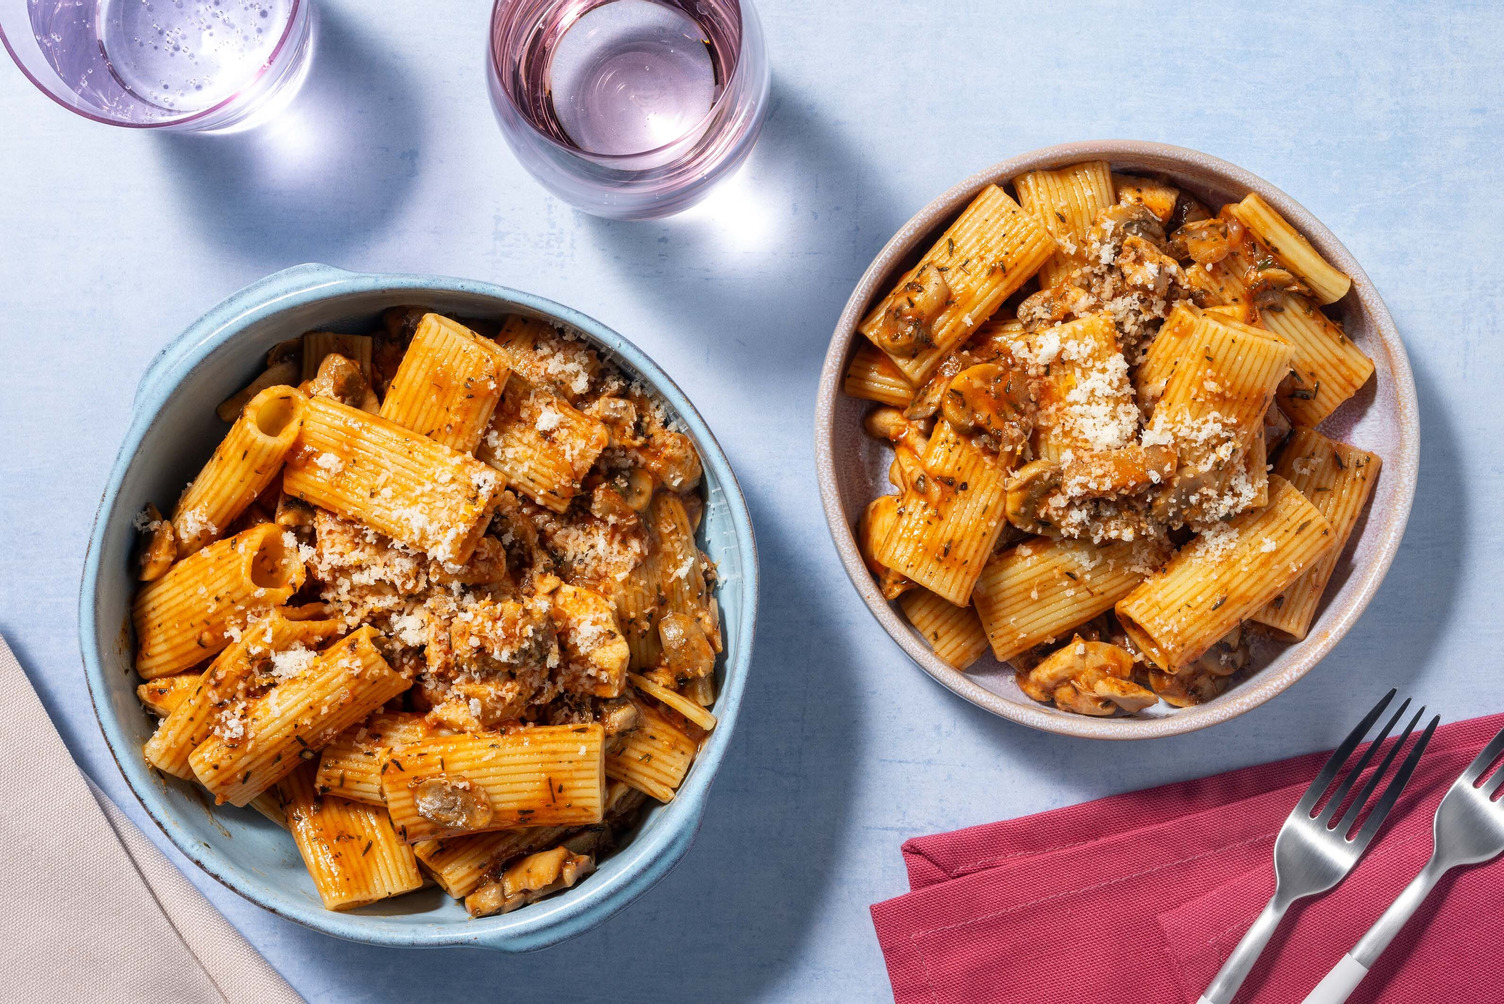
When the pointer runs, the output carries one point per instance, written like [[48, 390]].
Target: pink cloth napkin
[[1140, 897]]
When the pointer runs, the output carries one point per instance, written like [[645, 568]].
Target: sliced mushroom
[[341, 378], [991, 403], [1187, 210], [160, 549], [293, 513], [1089, 678], [1029, 490], [1069, 697], [904, 330], [635, 486], [532, 878], [1051, 306], [687, 652], [454, 803], [1127, 219], [1205, 241]]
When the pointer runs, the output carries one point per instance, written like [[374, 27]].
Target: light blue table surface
[[1383, 119]]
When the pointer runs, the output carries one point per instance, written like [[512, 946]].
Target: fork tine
[[1339, 756], [1492, 784], [1480, 763], [1351, 816], [1392, 793], [1351, 776]]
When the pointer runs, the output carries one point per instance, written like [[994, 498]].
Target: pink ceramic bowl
[[1382, 418]]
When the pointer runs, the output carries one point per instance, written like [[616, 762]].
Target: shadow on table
[[778, 245], [1390, 646], [324, 173]]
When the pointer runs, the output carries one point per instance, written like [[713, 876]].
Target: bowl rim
[[1403, 466], [647, 858]]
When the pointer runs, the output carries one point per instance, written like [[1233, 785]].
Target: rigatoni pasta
[[875, 377], [448, 384], [1282, 241], [442, 614], [243, 465], [376, 472], [1065, 202], [257, 744], [955, 633], [542, 443], [1337, 479], [350, 849], [944, 529], [1223, 577], [1038, 591], [1084, 479], [1327, 368], [989, 252], [189, 614], [453, 785]]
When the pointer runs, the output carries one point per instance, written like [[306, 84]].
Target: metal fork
[[1310, 854], [1469, 829]]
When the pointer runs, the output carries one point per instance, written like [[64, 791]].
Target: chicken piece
[[619, 415], [361, 572], [598, 547], [1156, 196], [670, 457], [488, 660], [594, 653], [1102, 495], [487, 567]]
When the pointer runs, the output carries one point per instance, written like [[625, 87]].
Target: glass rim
[[611, 159], [292, 19]]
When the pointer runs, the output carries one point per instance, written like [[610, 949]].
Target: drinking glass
[[207, 65], [629, 109]]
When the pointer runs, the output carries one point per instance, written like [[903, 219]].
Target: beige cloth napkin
[[92, 910]]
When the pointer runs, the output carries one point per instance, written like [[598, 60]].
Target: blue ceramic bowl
[[173, 430]]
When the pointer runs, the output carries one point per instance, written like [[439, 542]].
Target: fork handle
[[1235, 970], [1349, 972], [1336, 985]]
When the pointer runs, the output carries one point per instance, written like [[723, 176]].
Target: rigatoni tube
[[1337, 479], [1222, 577], [187, 615], [251, 751], [242, 466]]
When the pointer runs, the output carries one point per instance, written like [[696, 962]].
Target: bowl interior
[[1382, 418], [240, 847]]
